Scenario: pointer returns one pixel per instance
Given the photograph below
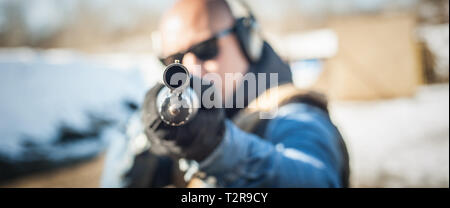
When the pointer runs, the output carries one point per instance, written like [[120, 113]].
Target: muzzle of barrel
[[177, 103], [176, 77]]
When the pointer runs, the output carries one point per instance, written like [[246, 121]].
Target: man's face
[[182, 30]]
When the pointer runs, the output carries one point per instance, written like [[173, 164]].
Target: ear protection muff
[[247, 30]]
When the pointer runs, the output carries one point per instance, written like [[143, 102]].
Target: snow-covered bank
[[61, 106]]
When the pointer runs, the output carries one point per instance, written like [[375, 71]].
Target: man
[[231, 147]]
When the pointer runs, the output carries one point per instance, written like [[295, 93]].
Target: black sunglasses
[[205, 50]]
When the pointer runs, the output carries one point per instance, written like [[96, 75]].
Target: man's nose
[[193, 64]]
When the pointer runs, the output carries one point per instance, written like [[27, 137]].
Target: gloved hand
[[195, 140]]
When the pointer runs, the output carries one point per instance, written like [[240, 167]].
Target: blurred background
[[72, 72]]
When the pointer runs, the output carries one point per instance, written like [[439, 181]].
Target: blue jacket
[[300, 148]]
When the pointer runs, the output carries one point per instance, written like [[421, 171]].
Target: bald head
[[199, 18], [216, 12]]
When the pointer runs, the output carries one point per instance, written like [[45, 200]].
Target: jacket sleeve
[[300, 149]]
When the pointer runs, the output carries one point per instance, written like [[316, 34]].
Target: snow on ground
[[61, 106], [398, 143]]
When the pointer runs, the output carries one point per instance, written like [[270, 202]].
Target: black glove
[[194, 140]]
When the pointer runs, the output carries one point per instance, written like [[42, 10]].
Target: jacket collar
[[269, 62]]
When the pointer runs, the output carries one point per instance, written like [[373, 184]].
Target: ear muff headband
[[247, 30]]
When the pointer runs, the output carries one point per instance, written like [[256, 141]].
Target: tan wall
[[377, 58]]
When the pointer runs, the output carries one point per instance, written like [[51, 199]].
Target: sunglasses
[[205, 50]]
